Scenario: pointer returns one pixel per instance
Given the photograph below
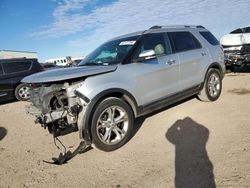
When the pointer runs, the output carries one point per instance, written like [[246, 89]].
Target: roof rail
[[155, 27], [177, 26]]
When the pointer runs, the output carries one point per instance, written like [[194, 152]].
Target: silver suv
[[127, 77]]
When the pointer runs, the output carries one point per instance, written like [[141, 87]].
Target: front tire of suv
[[22, 92], [212, 86], [112, 124]]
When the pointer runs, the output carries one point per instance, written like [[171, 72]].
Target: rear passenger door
[[192, 58]]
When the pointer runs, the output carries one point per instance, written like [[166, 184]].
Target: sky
[[60, 28]]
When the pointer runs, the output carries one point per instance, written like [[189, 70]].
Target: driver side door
[[157, 77]]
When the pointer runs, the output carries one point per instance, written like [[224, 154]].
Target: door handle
[[170, 62], [203, 53]]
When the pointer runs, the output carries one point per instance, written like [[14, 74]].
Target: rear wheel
[[112, 124], [22, 92], [212, 86]]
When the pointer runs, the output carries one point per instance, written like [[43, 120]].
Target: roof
[[156, 28]]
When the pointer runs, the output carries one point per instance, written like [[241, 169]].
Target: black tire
[[211, 91], [22, 92], [106, 131]]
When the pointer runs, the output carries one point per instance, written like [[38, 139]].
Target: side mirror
[[145, 55]]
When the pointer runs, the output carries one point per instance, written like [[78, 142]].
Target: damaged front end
[[237, 55], [57, 104], [56, 107]]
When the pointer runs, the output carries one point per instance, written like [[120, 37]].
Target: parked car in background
[[12, 71], [236, 47], [127, 77]]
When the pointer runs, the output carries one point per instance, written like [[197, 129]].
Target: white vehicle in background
[[65, 61], [236, 46]]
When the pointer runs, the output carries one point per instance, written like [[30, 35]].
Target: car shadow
[[193, 167], [8, 101], [3, 133]]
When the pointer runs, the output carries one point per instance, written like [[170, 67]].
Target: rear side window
[[210, 37], [15, 67], [184, 41]]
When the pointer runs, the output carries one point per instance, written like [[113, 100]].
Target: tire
[[109, 134], [212, 86], [22, 92]]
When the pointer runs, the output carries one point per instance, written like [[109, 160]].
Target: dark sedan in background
[[12, 71]]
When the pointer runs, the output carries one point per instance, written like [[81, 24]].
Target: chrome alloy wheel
[[112, 125], [214, 85], [24, 92]]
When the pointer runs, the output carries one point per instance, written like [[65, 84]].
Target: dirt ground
[[193, 144]]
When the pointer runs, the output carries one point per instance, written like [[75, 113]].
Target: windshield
[[110, 53]]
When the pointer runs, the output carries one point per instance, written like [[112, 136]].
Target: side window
[[209, 37], [184, 41], [157, 41], [14, 67], [1, 70]]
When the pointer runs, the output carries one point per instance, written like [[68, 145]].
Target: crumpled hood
[[67, 73]]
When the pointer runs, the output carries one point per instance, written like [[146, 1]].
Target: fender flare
[[86, 114], [213, 65]]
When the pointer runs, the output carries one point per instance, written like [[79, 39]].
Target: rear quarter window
[[209, 37], [15, 67], [184, 41]]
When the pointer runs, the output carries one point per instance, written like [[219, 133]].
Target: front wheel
[[112, 124], [212, 86]]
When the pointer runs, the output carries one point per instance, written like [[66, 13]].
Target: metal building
[[7, 54]]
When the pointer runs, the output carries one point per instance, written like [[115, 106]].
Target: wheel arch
[[113, 92], [216, 65]]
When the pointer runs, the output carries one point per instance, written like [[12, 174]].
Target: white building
[[8, 54]]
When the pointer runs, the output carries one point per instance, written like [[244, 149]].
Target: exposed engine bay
[[56, 106]]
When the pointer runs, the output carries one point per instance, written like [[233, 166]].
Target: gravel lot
[[193, 144]]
